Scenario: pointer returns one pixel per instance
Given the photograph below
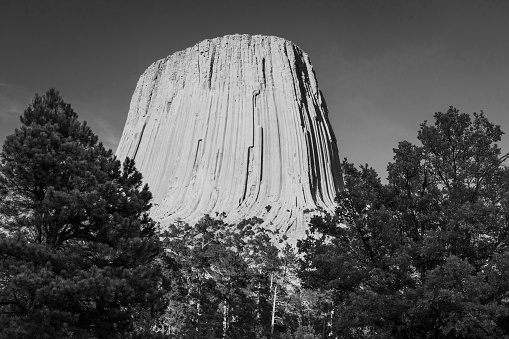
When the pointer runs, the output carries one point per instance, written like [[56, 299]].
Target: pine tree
[[426, 255], [220, 275], [77, 248]]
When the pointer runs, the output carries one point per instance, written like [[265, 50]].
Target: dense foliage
[[426, 255], [228, 281], [77, 247]]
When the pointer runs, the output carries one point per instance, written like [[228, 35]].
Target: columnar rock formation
[[238, 125]]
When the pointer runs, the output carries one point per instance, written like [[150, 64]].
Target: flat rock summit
[[234, 126]]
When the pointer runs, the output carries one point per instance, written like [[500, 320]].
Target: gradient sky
[[383, 66]]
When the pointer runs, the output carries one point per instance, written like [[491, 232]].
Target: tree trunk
[[225, 319], [331, 316], [273, 310], [258, 316]]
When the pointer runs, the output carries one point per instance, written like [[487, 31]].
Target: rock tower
[[234, 126]]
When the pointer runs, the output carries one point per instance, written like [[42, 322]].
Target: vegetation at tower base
[[77, 247], [229, 281], [426, 255]]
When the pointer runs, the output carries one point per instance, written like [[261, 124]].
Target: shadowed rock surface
[[238, 125]]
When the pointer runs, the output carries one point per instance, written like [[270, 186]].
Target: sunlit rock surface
[[238, 125]]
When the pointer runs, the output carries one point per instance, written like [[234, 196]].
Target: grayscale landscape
[[254, 169]]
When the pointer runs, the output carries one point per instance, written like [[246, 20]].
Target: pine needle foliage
[[77, 247], [425, 255]]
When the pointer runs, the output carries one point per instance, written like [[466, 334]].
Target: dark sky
[[384, 66]]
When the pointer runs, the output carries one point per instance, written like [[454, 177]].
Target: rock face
[[238, 125]]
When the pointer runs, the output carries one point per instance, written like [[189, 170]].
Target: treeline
[[423, 256]]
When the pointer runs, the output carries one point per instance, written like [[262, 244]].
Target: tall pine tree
[[77, 248], [220, 277]]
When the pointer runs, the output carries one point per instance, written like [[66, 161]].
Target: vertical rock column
[[238, 125]]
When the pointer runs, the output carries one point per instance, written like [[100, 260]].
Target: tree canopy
[[77, 246], [425, 255]]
